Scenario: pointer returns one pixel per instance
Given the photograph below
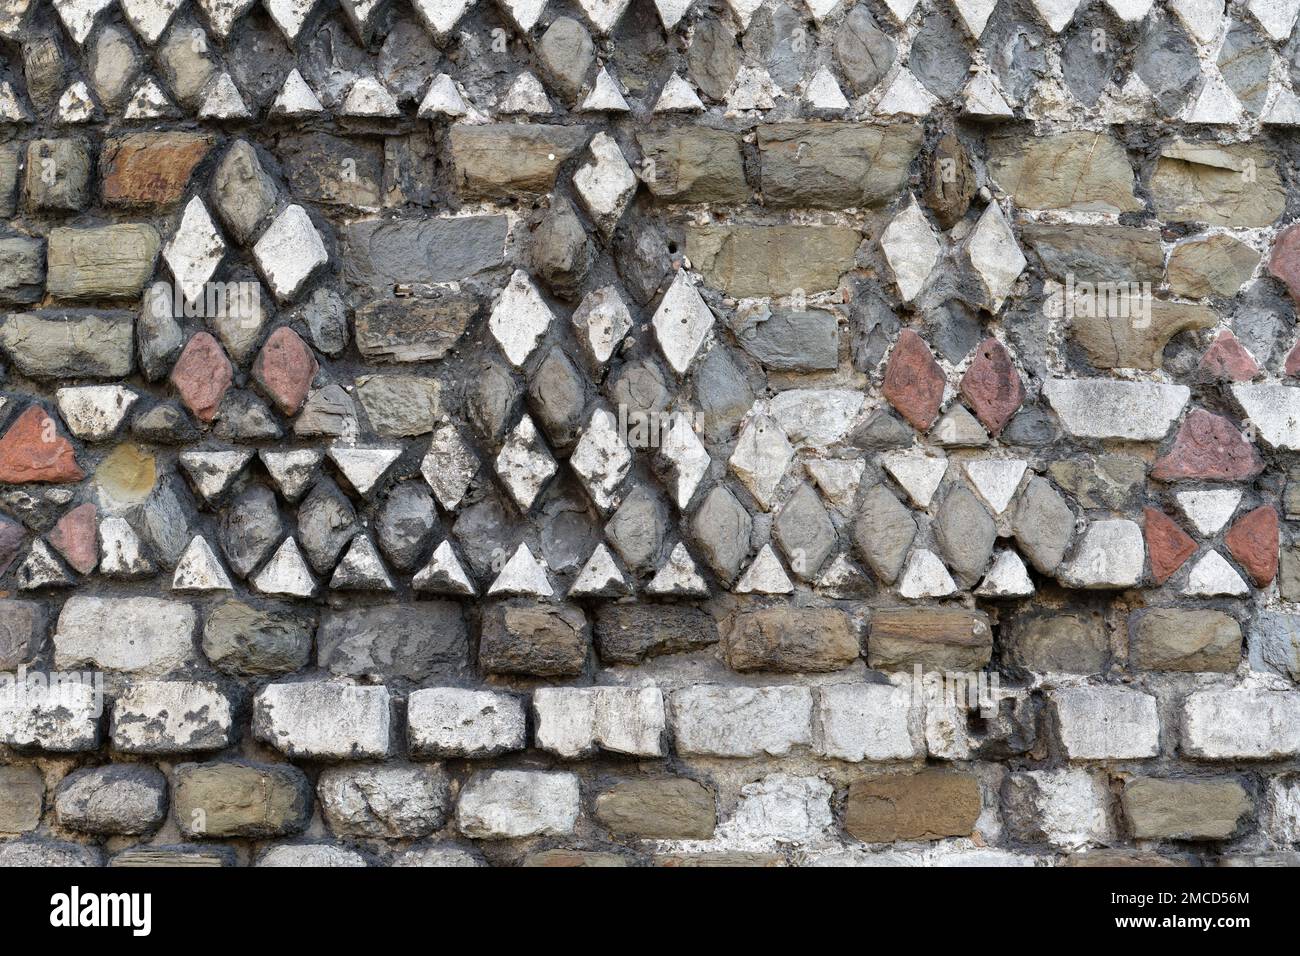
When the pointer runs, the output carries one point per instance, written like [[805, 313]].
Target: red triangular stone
[[1209, 447], [1168, 545], [33, 450], [1253, 540]]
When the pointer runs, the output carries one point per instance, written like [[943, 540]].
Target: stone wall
[[572, 432]]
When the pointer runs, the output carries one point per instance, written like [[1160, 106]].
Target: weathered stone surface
[[202, 375], [27, 456], [22, 799], [832, 165], [694, 164], [168, 717], [934, 638], [1168, 545], [107, 262], [451, 722], [71, 343], [1179, 639], [1124, 341], [22, 632], [713, 58], [628, 633], [117, 799], [670, 808], [1208, 446], [139, 635], [992, 385], [1205, 182], [929, 805], [1240, 724], [862, 50], [576, 721], [1107, 723], [221, 800], [323, 720], [965, 532], [884, 532], [501, 160], [150, 169], [415, 642], [1100, 481], [384, 801], [419, 329], [518, 803], [1159, 809], [22, 270], [771, 260], [1213, 265], [741, 721], [1253, 541], [542, 641], [246, 641], [1059, 643], [382, 254], [1099, 253], [789, 639], [1084, 171]]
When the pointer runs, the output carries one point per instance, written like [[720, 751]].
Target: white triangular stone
[[1284, 110], [76, 105], [1201, 17], [526, 96], [752, 89], [199, 570], [148, 102], [600, 577], [12, 109], [368, 97], [905, 96], [524, 575], [223, 14], [744, 11], [289, 15], [686, 457], [120, 553], [1216, 105], [150, 17], [213, 472], [919, 474], [823, 93], [1213, 576], [443, 99], [195, 250], [525, 13], [1057, 13], [292, 471], [605, 96], [681, 323], [296, 97], [519, 318], [925, 577], [1007, 578], [1277, 17], [223, 101], [678, 96], [444, 574], [996, 480], [604, 14], [901, 9], [678, 576], [42, 569], [765, 575], [286, 573], [361, 568], [79, 15], [842, 579], [363, 467], [821, 9], [911, 249], [441, 15], [671, 11], [983, 98], [1209, 509], [94, 412], [449, 466], [1130, 11], [975, 14], [838, 479]]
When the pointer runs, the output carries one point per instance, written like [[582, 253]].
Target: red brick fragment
[[76, 538], [992, 385], [1253, 541], [1228, 360], [32, 450], [1168, 545], [284, 369], [914, 381], [201, 376], [1209, 447]]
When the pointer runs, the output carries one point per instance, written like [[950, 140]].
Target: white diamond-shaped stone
[[295, 97], [602, 321], [838, 479], [925, 577], [752, 89], [1283, 109], [601, 459], [525, 97], [286, 573], [289, 252], [150, 17], [76, 105], [520, 318], [996, 480], [681, 323], [605, 95], [761, 457], [148, 101], [919, 474], [361, 568], [195, 251], [444, 574], [443, 99], [222, 14], [12, 109], [911, 249], [685, 458], [821, 9], [605, 183], [1201, 17], [600, 577], [120, 552], [1213, 576], [1209, 509], [223, 101], [441, 15], [363, 467], [79, 15], [982, 97], [1216, 105], [678, 576], [213, 472], [765, 575], [525, 13], [824, 93], [744, 11], [1277, 17], [292, 471], [368, 97], [994, 254], [94, 412], [524, 463], [1056, 13], [604, 14], [1111, 555], [1130, 11], [1007, 578], [672, 11], [678, 96], [289, 15], [42, 569], [522, 575], [449, 466], [905, 96], [359, 13], [199, 570]]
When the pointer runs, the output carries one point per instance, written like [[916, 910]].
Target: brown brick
[[1188, 809], [935, 638], [1176, 639], [673, 808], [150, 169], [790, 639], [929, 805]]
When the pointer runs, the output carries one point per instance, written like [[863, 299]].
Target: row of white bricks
[[852, 721]]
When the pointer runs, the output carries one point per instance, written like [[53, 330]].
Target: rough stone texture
[[1185, 809], [929, 805], [1185, 640], [221, 800], [115, 799], [778, 639]]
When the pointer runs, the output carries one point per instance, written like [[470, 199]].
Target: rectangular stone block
[[453, 722], [857, 722], [501, 160], [146, 636], [928, 805], [1241, 723], [416, 329], [1185, 809], [322, 719], [576, 721], [935, 638], [22, 799], [413, 641], [757, 261], [222, 800], [70, 343], [741, 721], [336, 170], [150, 169], [383, 253], [22, 632], [1107, 723], [105, 262], [802, 640], [511, 804], [60, 719], [693, 164], [538, 640], [384, 801], [167, 717], [835, 165], [1184, 639], [628, 633], [22, 270]]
